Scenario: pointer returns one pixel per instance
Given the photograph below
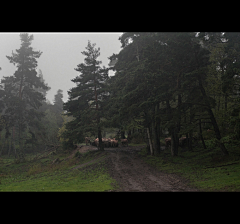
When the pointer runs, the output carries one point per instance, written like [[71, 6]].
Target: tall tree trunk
[[2, 145], [185, 121], [9, 146], [159, 131], [129, 136], [101, 145], [174, 141], [187, 137], [20, 117], [219, 103], [179, 104], [149, 140], [173, 131], [155, 131], [21, 150], [123, 134], [200, 132], [210, 112], [190, 135], [190, 148], [156, 148], [13, 142], [225, 103], [212, 117], [225, 123]]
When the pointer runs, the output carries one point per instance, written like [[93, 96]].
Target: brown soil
[[133, 174]]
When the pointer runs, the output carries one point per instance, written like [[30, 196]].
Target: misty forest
[[176, 95]]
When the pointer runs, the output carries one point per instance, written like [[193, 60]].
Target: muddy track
[[133, 174]]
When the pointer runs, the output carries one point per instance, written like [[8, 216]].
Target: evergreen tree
[[41, 90], [86, 99], [58, 102], [157, 72], [58, 107], [21, 97]]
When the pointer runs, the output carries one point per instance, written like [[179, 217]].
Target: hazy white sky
[[61, 54]]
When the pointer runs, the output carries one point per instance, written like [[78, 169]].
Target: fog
[[61, 54]]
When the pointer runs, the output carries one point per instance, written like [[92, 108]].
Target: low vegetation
[[206, 169], [43, 175]]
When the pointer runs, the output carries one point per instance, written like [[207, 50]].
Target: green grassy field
[[41, 175], [205, 169]]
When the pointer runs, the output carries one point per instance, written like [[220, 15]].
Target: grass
[[205, 169], [94, 180], [41, 175]]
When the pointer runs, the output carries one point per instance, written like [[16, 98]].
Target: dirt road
[[133, 174]]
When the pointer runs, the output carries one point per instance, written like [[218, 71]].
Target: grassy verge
[[42, 175], [205, 169]]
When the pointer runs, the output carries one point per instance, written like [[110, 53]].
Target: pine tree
[[165, 69], [41, 90], [58, 102], [85, 100], [21, 97], [58, 107]]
